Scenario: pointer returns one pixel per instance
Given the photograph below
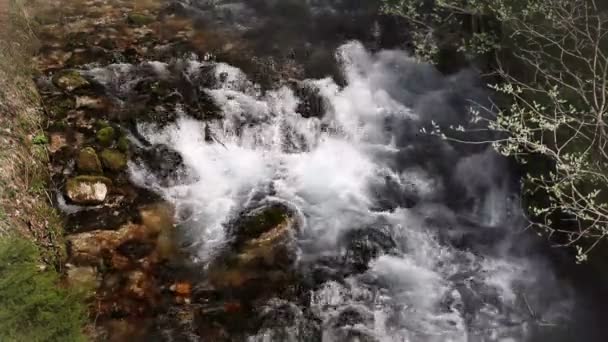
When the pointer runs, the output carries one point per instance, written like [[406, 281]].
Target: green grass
[[32, 305]]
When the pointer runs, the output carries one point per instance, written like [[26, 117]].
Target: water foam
[[453, 275]]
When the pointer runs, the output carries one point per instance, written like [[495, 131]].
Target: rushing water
[[449, 262], [401, 236]]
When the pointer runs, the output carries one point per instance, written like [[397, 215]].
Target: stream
[[303, 196]]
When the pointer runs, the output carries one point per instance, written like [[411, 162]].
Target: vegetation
[[32, 305], [551, 62]]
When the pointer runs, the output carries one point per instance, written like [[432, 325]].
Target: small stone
[[88, 189], [139, 19], [113, 160], [69, 80], [106, 136], [88, 161]]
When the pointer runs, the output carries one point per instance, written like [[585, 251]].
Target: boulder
[[113, 160], [261, 254], [69, 80], [87, 161], [88, 189]]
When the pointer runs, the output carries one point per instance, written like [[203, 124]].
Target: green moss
[[123, 144], [139, 19], [100, 124], [88, 161], [113, 160], [40, 139], [106, 136], [32, 305]]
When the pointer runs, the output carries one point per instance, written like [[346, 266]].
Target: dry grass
[[25, 207]]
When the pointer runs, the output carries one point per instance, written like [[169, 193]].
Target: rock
[[91, 248], [261, 255], [57, 142], [123, 144], [106, 136], [69, 80], [82, 277], [139, 19], [88, 162], [88, 189], [113, 160], [166, 164]]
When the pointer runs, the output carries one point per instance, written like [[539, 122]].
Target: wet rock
[[262, 253], [139, 19], [106, 136], [88, 162], [127, 245], [88, 189], [93, 248], [256, 224], [312, 103], [166, 164], [113, 160], [69, 80], [366, 244]]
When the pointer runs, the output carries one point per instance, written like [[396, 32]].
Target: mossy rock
[[123, 144], [88, 189], [113, 160], [139, 19], [106, 136], [88, 161], [259, 221], [69, 80]]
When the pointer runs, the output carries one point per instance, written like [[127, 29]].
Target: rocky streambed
[[215, 187]]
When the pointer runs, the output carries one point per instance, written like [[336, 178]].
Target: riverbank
[[31, 234]]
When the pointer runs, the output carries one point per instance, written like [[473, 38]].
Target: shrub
[[33, 307]]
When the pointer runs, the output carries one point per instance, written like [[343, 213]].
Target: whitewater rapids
[[456, 266]]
